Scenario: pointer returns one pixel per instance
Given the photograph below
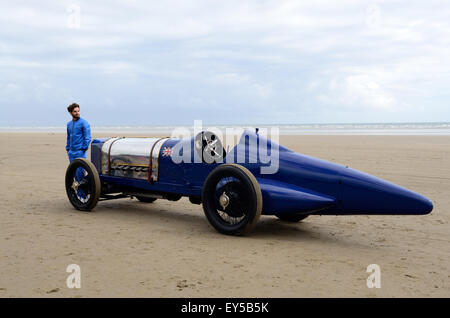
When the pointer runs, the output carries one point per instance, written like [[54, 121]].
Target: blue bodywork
[[302, 184]]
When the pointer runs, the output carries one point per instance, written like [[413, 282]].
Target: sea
[[428, 128]]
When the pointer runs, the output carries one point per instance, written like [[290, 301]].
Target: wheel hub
[[224, 200], [79, 187], [75, 185], [230, 202]]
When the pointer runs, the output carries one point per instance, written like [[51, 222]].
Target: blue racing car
[[235, 185]]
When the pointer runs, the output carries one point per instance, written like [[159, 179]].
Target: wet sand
[[126, 248]]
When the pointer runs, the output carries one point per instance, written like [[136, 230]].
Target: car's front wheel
[[82, 184], [232, 199]]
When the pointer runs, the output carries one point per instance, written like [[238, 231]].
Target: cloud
[[284, 61], [358, 91]]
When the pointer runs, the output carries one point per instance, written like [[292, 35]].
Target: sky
[[132, 63]]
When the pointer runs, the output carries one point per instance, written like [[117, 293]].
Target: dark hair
[[71, 107]]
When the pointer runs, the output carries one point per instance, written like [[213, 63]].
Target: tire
[[146, 199], [232, 199], [294, 218], [84, 193]]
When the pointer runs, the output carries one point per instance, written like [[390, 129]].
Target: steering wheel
[[209, 147]]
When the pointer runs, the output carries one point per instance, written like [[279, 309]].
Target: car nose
[[365, 194]]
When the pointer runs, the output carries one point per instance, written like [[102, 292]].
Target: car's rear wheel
[[232, 199], [288, 217], [82, 184]]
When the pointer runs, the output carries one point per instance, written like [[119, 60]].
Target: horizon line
[[247, 124]]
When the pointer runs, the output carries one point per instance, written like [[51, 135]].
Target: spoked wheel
[[82, 184], [146, 199], [209, 147], [288, 217], [232, 199]]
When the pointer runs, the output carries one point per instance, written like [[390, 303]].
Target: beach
[[126, 248]]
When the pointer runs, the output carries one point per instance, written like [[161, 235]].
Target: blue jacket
[[78, 135]]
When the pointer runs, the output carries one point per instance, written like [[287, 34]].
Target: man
[[78, 134], [78, 140]]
